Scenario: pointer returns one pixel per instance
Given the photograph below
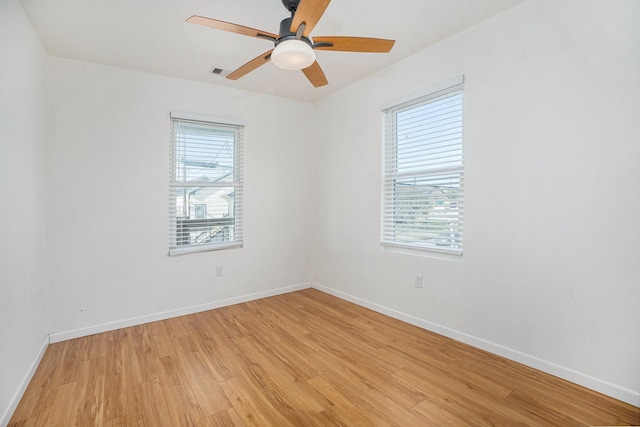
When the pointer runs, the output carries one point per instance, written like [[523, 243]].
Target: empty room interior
[[432, 221]]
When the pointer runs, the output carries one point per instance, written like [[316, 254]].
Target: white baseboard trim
[[133, 321], [6, 416], [617, 392]]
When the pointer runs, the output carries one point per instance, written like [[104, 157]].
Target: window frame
[[394, 231], [215, 123]]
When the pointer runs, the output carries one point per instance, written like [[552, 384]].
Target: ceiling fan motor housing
[[285, 28], [286, 33]]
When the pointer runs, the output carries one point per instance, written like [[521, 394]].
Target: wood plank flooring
[[299, 359]]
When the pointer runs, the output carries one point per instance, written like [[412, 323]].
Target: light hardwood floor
[[303, 359]]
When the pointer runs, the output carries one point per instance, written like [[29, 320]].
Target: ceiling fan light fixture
[[293, 54]]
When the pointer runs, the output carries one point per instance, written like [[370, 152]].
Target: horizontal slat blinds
[[205, 189], [423, 173]]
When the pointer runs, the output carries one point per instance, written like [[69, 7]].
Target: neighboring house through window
[[423, 172], [205, 189]]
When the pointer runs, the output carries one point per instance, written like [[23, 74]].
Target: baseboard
[[133, 321], [6, 416], [617, 392]]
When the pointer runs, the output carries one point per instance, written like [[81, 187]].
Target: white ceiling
[[152, 36]]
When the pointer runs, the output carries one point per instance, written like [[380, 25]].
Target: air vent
[[217, 71]]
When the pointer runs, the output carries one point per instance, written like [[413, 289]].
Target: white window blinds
[[205, 189], [423, 173]]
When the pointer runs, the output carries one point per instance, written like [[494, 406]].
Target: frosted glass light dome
[[293, 54]]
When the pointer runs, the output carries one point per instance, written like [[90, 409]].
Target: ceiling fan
[[293, 45]]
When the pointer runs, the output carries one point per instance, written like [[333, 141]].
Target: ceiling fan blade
[[228, 26], [355, 44], [250, 66], [308, 12], [315, 75]]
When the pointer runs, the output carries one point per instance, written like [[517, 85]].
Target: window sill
[[204, 248], [423, 252]]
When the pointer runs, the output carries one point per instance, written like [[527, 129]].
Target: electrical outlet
[[219, 271], [418, 281]]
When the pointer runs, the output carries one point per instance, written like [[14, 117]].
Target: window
[[205, 189], [423, 172]]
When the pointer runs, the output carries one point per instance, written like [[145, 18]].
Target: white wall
[[551, 270], [24, 317], [108, 197]]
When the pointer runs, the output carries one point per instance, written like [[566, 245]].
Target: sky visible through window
[[429, 136], [203, 155]]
